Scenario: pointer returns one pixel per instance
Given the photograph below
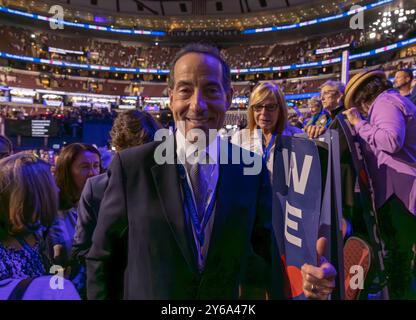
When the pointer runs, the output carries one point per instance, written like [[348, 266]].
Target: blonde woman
[[267, 117]]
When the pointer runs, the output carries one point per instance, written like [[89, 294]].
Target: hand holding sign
[[318, 282], [314, 131]]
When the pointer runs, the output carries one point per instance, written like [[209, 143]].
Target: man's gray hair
[[203, 49], [337, 85]]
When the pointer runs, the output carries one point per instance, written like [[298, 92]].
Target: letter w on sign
[[297, 190], [299, 183]]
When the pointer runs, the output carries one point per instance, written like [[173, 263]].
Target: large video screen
[[31, 128]]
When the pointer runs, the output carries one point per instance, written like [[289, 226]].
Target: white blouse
[[254, 143]]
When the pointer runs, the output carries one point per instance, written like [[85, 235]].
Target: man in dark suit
[[194, 230], [130, 128], [88, 208]]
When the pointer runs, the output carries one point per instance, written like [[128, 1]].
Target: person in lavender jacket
[[386, 124]]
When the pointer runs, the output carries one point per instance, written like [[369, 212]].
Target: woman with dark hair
[[28, 205], [75, 164], [386, 125]]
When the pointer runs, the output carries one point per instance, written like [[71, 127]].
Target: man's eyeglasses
[[268, 107], [328, 93]]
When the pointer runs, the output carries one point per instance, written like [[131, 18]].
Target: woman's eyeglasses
[[268, 107]]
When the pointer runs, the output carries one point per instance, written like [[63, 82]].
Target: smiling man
[[192, 230], [199, 91]]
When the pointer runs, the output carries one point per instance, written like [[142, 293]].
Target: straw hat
[[356, 81]]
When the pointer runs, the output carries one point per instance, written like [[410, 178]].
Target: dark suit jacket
[[143, 204], [88, 207]]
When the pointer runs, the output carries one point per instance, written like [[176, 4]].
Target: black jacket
[[143, 205]]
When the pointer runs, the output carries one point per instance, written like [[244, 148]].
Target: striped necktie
[[199, 187]]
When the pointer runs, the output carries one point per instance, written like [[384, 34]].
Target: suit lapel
[[167, 184]]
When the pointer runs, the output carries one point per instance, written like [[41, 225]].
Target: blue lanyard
[[266, 153], [199, 226]]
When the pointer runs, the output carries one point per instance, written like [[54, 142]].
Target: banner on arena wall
[[331, 49], [64, 51], [304, 207]]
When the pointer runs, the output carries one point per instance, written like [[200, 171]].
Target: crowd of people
[[46, 226], [140, 229], [278, 54], [120, 54], [67, 113], [124, 54]]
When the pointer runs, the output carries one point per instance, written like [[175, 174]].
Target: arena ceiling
[[198, 7], [190, 14], [228, 26]]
